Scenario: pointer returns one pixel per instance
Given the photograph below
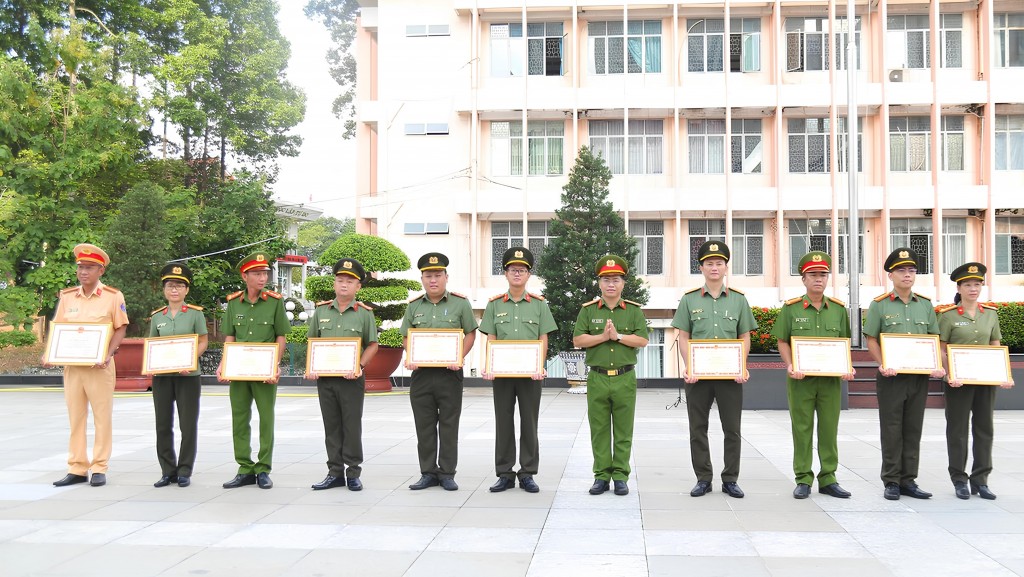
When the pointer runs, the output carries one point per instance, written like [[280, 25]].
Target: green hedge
[[16, 339], [762, 341]]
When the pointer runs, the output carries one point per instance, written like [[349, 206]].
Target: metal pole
[[853, 263]]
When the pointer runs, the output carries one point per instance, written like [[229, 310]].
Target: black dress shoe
[[263, 480], [892, 491], [449, 484], [701, 488], [802, 491], [424, 482], [834, 490], [621, 488], [529, 485], [70, 479], [184, 481], [329, 482], [599, 486], [240, 480], [98, 479], [961, 490], [165, 480], [502, 484], [732, 489], [354, 484], [983, 491], [912, 490]]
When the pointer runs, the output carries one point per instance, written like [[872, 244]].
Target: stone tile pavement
[[130, 528]]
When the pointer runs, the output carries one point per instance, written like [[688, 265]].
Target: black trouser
[[341, 405], [435, 394], [183, 391], [506, 393]]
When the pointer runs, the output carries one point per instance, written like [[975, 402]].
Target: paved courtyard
[[130, 528]]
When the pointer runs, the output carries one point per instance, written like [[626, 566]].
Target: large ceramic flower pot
[[378, 372], [128, 362]]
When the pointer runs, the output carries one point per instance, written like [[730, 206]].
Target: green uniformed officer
[[435, 393], [341, 397], [901, 397], [611, 329], [714, 311], [253, 315], [813, 315], [182, 389], [521, 316], [969, 408]]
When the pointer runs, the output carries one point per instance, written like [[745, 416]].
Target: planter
[[378, 372], [129, 367], [576, 370]]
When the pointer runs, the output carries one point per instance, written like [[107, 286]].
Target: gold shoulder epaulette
[[417, 297], [794, 300], [945, 308], [591, 302], [694, 289], [536, 296], [837, 301], [195, 307], [461, 296], [495, 297], [736, 290], [633, 303], [364, 305], [273, 294], [234, 296], [159, 310], [107, 287], [69, 290], [322, 303], [882, 297], [924, 297], [989, 307]]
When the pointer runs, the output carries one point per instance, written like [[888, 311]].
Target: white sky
[[322, 175]]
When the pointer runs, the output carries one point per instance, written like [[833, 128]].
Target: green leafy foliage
[[586, 228], [390, 338], [1011, 325], [298, 335], [339, 17], [18, 306], [16, 339], [761, 340], [373, 252]]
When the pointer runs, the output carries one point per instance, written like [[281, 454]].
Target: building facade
[[718, 120]]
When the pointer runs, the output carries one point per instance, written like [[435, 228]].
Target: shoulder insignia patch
[[693, 290], [273, 294], [364, 305], [989, 307], [633, 303], [919, 295], [794, 300], [837, 301], [495, 297], [591, 302], [536, 296], [461, 296], [322, 303], [417, 297], [234, 296], [736, 290], [945, 308], [195, 307], [159, 310], [881, 297]]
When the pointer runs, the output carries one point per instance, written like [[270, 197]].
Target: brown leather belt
[[613, 372]]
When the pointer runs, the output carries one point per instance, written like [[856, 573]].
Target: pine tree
[[586, 228]]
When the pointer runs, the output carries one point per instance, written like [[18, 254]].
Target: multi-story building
[[718, 120]]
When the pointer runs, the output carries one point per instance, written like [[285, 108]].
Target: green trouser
[[699, 397], [435, 394], [506, 392], [970, 408], [242, 395], [183, 391], [611, 407], [901, 401], [807, 396], [341, 405]]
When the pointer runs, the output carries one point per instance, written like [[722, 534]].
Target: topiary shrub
[[761, 340], [1011, 324]]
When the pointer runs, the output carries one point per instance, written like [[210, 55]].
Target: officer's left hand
[[938, 373], [273, 380], [539, 376], [102, 365], [849, 376], [454, 367], [352, 374], [744, 377], [1007, 385]]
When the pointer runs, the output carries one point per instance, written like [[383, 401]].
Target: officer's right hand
[[42, 361], [220, 374]]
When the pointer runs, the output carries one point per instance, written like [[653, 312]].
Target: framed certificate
[[821, 356], [515, 358], [435, 347], [979, 364], [78, 344], [170, 354], [250, 361], [333, 357], [715, 359], [910, 354]]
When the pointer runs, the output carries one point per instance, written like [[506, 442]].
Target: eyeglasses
[[517, 271], [175, 286]]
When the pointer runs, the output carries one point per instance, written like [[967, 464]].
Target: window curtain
[[653, 54], [635, 47]]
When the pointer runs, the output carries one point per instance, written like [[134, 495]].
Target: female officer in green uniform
[[969, 408], [182, 389]]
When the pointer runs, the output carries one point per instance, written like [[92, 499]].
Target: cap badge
[[176, 270], [433, 260], [972, 269], [347, 264], [519, 254], [904, 254], [86, 251], [260, 258], [713, 247], [816, 258], [610, 262]]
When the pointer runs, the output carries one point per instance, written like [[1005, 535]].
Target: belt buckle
[[613, 372]]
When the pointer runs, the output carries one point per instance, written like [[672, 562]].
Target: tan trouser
[[84, 387]]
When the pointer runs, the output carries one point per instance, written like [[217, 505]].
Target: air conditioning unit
[[896, 75]]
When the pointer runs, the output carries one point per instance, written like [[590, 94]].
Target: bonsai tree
[[387, 296]]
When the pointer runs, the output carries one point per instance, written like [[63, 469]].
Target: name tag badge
[[239, 317], [696, 311], [501, 314], [161, 325], [325, 320], [801, 320], [417, 315]]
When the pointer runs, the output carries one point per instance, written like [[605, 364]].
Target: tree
[[339, 17], [586, 228], [137, 240], [317, 235]]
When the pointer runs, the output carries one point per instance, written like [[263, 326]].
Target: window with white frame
[[907, 41], [807, 46], [951, 31], [544, 49], [506, 234], [412, 30], [915, 233], [807, 234], [645, 149], [701, 231], [909, 143], [426, 128], [1008, 39], [1009, 245], [705, 41], [544, 145], [747, 247], [650, 239], [747, 146], [706, 137], [616, 49], [650, 360], [1009, 142], [809, 149], [426, 228], [952, 143]]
